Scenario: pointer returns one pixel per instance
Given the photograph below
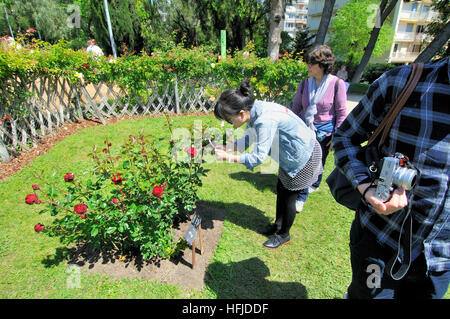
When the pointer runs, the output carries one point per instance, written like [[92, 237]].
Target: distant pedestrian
[[93, 48], [343, 74]]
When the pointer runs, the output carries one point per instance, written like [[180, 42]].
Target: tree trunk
[[382, 14], [276, 13], [435, 45], [324, 21]]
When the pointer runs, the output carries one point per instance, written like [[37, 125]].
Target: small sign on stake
[[194, 228]]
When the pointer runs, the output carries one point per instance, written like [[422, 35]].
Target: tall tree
[[125, 23], [437, 25], [351, 31], [46, 16], [276, 13], [384, 10], [435, 45], [302, 42], [327, 12]]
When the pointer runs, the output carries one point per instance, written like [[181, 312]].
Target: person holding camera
[[419, 138], [276, 131]]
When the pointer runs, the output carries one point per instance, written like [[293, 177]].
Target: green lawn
[[314, 265]]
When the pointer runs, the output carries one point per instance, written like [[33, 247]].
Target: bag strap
[[393, 112], [405, 236]]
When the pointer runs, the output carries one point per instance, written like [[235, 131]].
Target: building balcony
[[300, 2], [415, 16], [403, 57], [411, 37]]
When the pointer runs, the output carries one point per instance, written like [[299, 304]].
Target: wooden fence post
[[177, 98]]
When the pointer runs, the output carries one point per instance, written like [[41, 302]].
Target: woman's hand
[[220, 152], [221, 155], [397, 201], [219, 147]]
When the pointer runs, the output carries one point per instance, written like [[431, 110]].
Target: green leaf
[[94, 232], [111, 230]]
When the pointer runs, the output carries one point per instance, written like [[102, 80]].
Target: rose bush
[[129, 203]]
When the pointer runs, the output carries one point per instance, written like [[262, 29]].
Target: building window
[[420, 28], [409, 27], [416, 48]]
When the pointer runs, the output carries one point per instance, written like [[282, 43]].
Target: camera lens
[[404, 177]]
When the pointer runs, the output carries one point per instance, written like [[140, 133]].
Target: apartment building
[[409, 19], [295, 16]]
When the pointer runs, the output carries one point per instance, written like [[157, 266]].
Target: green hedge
[[271, 80]]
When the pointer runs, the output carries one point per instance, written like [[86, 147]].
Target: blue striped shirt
[[422, 132]]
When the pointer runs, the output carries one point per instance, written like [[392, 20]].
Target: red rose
[[158, 191], [36, 187], [80, 208], [86, 66], [38, 228], [191, 151], [115, 201], [117, 180], [83, 216], [31, 199], [68, 177]]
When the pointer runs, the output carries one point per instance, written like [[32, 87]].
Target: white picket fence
[[55, 101]]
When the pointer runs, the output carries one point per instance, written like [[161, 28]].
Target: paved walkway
[[352, 101]]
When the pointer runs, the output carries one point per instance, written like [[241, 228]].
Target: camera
[[394, 172]]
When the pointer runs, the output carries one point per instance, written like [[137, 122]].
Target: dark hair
[[232, 101], [322, 55]]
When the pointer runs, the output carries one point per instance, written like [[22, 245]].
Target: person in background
[[421, 131], [277, 132], [321, 101], [343, 74], [93, 48]]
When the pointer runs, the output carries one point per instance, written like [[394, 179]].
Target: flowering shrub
[[271, 80], [130, 203]]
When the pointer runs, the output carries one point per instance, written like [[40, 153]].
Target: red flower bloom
[[35, 187], [80, 208], [69, 177], [191, 151], [83, 216], [38, 228], [115, 201], [31, 199], [158, 191], [117, 180], [86, 66]]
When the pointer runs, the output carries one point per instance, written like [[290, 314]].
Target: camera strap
[[405, 240]]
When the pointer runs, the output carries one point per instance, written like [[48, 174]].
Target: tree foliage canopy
[[351, 29]]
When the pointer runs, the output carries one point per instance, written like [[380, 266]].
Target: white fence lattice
[[51, 102]]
